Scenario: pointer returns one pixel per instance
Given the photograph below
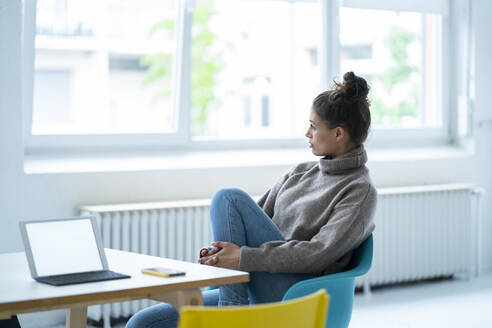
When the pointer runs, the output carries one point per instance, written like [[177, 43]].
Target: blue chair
[[340, 286]]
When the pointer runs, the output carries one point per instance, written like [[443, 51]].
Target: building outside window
[[103, 50]]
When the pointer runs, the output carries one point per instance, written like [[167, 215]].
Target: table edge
[[126, 294]]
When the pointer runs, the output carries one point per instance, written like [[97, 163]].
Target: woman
[[307, 224]]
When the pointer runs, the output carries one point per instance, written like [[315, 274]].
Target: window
[[236, 72], [255, 50], [97, 67], [397, 53]]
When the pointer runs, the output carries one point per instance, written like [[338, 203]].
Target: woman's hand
[[227, 257], [208, 251]]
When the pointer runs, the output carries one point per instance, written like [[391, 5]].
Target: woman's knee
[[223, 200], [161, 315], [228, 194]]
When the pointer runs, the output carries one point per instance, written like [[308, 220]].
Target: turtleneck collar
[[350, 160]]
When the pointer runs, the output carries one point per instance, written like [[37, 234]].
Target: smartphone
[[208, 249], [163, 272]]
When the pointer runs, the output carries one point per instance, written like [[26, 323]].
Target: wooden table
[[19, 293]]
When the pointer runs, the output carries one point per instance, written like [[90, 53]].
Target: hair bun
[[354, 86]]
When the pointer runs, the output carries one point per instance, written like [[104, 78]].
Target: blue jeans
[[238, 219]]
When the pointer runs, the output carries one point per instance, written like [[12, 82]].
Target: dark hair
[[346, 105]]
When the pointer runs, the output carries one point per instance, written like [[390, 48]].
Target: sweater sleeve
[[267, 200], [348, 225]]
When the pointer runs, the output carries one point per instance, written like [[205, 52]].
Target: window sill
[[183, 160]]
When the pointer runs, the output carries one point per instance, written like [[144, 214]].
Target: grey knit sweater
[[324, 210]]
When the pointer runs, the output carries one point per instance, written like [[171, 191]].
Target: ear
[[339, 133]]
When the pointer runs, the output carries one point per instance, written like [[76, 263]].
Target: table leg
[[77, 317], [5, 315], [180, 298]]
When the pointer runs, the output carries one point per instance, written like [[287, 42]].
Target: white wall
[[11, 153], [53, 195], [482, 164]]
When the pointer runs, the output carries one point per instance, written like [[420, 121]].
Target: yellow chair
[[306, 312]]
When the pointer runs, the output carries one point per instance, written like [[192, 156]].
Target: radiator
[[424, 232], [421, 232], [175, 230]]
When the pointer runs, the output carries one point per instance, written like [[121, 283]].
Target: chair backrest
[[309, 311], [361, 260], [339, 285]]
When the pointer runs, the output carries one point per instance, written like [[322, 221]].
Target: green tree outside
[[398, 41], [205, 66]]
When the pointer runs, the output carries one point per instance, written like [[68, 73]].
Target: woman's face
[[323, 141]]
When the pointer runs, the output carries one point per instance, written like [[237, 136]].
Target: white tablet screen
[[60, 247]]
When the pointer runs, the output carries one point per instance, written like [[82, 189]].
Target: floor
[[447, 303]]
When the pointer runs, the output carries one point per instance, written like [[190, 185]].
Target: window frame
[[181, 91]]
